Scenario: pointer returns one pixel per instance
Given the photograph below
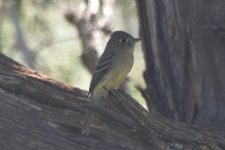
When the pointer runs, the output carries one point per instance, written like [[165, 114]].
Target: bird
[[112, 68]]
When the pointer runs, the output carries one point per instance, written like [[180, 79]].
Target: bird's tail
[[89, 116]]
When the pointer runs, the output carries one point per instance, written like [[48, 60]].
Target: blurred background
[[183, 40], [64, 39]]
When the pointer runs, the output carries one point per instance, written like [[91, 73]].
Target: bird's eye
[[123, 40]]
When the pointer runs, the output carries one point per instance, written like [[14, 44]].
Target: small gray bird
[[112, 68]]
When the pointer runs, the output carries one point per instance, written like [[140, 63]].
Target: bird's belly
[[119, 75], [118, 78]]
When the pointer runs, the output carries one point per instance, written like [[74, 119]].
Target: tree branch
[[41, 113]]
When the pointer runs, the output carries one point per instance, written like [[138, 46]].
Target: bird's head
[[122, 40]]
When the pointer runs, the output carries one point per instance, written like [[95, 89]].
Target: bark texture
[[185, 57], [37, 112]]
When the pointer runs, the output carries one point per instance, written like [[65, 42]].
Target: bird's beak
[[136, 40]]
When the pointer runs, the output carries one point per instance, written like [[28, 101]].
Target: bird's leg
[[106, 89]]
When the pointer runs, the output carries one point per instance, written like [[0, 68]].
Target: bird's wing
[[103, 66]]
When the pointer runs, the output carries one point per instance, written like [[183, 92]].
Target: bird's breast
[[119, 71]]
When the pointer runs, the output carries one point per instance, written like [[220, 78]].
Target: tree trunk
[[37, 112], [185, 57]]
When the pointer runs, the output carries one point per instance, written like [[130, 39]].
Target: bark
[[37, 112], [185, 59]]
